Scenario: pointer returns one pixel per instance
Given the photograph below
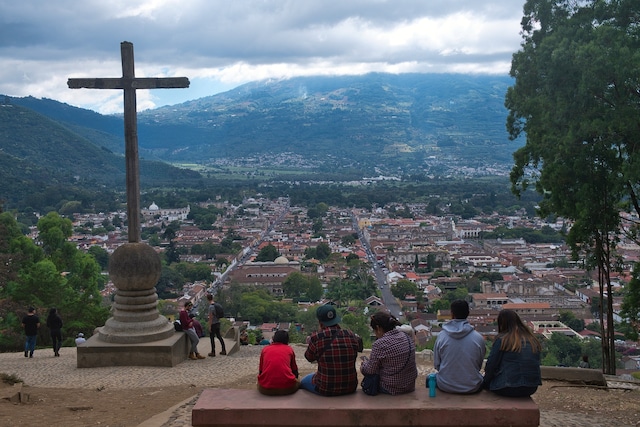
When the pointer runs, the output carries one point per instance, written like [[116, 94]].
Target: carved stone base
[[168, 352]]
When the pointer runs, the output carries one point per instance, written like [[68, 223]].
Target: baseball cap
[[327, 315]]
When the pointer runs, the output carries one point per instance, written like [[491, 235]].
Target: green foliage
[[193, 271], [268, 254], [204, 218], [575, 99], [631, 304], [318, 211], [568, 318], [323, 251], [349, 239], [100, 255], [301, 287], [10, 379], [64, 277], [403, 288], [545, 235], [359, 324], [563, 349], [48, 165], [170, 283]]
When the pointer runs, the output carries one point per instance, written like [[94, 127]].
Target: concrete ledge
[[232, 340], [248, 408], [573, 375], [167, 352]]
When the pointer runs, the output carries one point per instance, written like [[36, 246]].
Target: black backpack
[[177, 326], [219, 310]]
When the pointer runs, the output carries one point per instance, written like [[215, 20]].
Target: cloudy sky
[[221, 44]]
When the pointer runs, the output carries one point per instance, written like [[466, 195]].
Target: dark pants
[[56, 337], [516, 391], [213, 333]]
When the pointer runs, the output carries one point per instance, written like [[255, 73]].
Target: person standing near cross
[[129, 83]]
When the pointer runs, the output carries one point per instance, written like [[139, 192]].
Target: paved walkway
[[62, 372]]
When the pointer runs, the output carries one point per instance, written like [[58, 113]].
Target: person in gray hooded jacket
[[458, 353]]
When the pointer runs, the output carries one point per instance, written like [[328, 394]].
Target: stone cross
[[130, 83]]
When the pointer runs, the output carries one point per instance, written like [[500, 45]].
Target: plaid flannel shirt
[[337, 364]]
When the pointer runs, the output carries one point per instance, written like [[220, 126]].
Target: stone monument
[[136, 334]]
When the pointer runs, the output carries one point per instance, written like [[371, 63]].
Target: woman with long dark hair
[[393, 356], [54, 323], [513, 366]]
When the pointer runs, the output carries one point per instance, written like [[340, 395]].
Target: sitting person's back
[[278, 371], [458, 353], [393, 356], [513, 366]]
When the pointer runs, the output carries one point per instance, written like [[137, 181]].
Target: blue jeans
[[30, 344], [307, 384]]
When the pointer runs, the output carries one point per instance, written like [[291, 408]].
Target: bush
[[10, 379]]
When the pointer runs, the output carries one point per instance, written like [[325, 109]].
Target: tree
[[267, 254], [568, 318], [53, 230], [349, 239], [575, 98], [323, 251], [302, 287], [61, 277], [403, 288], [564, 350], [631, 304], [100, 255]]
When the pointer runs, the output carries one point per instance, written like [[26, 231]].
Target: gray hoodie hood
[[458, 328]]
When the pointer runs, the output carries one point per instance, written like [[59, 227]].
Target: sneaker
[[223, 353]]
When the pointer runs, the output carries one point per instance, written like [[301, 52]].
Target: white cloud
[[217, 43]]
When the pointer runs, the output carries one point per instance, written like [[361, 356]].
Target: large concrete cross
[[130, 83]]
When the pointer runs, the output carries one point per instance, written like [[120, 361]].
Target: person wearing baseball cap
[[335, 349]]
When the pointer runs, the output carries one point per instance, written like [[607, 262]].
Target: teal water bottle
[[431, 380]]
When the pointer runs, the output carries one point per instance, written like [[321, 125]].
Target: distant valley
[[349, 127], [409, 122]]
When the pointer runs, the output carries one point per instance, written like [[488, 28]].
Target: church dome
[[153, 207], [281, 260]]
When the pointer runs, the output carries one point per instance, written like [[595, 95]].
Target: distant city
[[437, 253]]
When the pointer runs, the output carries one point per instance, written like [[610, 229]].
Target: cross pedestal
[[136, 334]]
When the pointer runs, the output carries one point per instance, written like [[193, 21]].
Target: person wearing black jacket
[[54, 323]]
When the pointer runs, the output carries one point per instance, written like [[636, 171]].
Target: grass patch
[[10, 379]]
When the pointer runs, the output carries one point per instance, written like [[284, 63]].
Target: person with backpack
[[215, 314]]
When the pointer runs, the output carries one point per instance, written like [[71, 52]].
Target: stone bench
[[573, 375], [248, 408]]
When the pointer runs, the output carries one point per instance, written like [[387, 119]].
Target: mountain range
[[375, 123]]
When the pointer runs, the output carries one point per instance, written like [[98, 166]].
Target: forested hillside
[[43, 163]]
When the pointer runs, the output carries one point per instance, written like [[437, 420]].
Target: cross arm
[[129, 83]]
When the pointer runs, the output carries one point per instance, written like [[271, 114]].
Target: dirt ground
[[128, 408], [106, 408]]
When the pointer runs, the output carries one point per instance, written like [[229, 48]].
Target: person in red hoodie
[[278, 371], [189, 328]]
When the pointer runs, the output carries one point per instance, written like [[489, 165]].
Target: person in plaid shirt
[[335, 349], [393, 356]]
